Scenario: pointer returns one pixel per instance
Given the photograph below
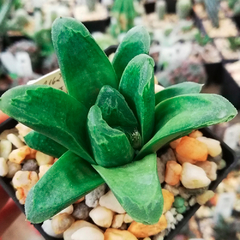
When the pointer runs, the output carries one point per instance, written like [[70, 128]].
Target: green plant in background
[[212, 7], [161, 9], [91, 4], [109, 126], [231, 3], [236, 8], [4, 14], [124, 12], [183, 8], [202, 40], [234, 43]]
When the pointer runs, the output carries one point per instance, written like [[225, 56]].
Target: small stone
[[23, 181], [173, 173], [203, 198], [102, 216], [68, 210], [168, 199], [173, 211], [3, 135], [141, 231], [87, 233], [12, 169], [161, 170], [182, 160], [192, 201], [214, 147], [117, 220], [169, 216], [3, 167], [32, 154], [43, 159], [196, 134], [179, 217], [43, 169], [178, 202], [181, 210], [127, 218], [124, 226], [80, 200], [92, 198], [172, 189], [81, 211], [158, 88], [61, 222], [172, 226], [5, 148], [116, 234], [15, 140], [174, 143], [18, 155], [110, 201], [216, 159], [22, 129], [30, 165], [184, 193], [194, 177], [67, 235], [195, 191], [210, 169], [160, 236], [222, 164], [147, 238], [191, 148], [168, 156], [47, 228]]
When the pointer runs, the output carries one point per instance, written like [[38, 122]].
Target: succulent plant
[[202, 40], [161, 9], [109, 125], [124, 12], [234, 43], [183, 8], [231, 3], [91, 4], [212, 7], [236, 9], [4, 14]]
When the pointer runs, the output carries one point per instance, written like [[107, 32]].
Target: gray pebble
[[81, 211], [30, 165], [91, 199], [124, 226]]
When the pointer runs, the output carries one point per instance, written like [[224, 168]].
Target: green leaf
[[181, 115], [84, 66], [111, 147], [115, 110], [44, 144], [136, 41], [137, 188], [52, 113], [69, 179], [137, 86], [176, 90]]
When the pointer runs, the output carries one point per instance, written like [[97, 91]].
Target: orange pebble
[[173, 173], [192, 149], [195, 134], [32, 154], [182, 160], [174, 143]]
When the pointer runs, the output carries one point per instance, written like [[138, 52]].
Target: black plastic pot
[[97, 26], [230, 89], [171, 6], [214, 72], [149, 7], [236, 19]]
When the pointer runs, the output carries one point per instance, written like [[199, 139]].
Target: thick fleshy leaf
[[69, 179], [84, 66], [176, 90], [136, 41], [180, 115], [137, 188], [110, 146], [44, 144], [137, 86], [52, 113]]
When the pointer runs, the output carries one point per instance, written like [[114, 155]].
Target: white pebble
[[15, 140], [192, 201], [110, 201], [102, 216], [5, 148], [3, 167], [43, 159], [88, 233], [47, 228], [12, 169], [4, 134], [179, 217], [193, 176], [214, 147], [160, 236], [68, 210], [186, 204], [127, 219], [22, 129], [43, 169], [117, 221], [172, 189], [173, 211], [169, 216]]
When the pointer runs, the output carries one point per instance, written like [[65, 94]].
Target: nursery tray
[[228, 156], [149, 7], [97, 26]]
